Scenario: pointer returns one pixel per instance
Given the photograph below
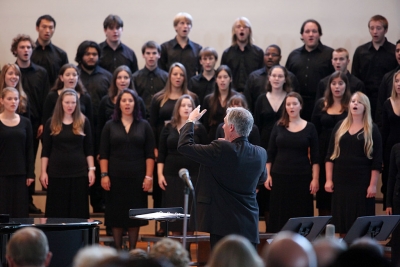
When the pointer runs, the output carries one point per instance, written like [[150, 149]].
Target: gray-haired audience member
[[125, 260], [28, 247], [289, 250], [368, 243], [234, 251], [171, 250], [90, 256], [327, 249]]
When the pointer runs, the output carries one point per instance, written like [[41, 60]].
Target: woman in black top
[[10, 76], [353, 164], [292, 166], [127, 163], [170, 161], [67, 159], [16, 156], [68, 77], [216, 102], [329, 110], [390, 128]]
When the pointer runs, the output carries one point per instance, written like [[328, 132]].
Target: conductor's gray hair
[[241, 119]]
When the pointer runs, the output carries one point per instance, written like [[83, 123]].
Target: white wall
[[344, 22]]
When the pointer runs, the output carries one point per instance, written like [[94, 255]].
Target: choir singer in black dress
[[353, 164], [127, 163], [67, 159], [230, 171], [16, 156], [293, 167]]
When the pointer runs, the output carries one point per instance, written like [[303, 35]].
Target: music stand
[[175, 214], [309, 227], [376, 227]]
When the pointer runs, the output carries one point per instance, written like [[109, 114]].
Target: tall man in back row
[[230, 171]]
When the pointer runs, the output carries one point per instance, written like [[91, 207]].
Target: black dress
[[16, 165], [126, 154], [351, 177], [324, 123], [173, 161], [291, 173], [67, 170], [390, 137], [265, 118]]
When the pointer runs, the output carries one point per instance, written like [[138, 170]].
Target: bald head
[[289, 250], [327, 250], [28, 247]]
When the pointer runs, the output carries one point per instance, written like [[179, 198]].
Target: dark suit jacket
[[226, 186]]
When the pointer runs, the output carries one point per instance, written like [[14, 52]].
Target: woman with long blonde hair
[[67, 159], [353, 164]]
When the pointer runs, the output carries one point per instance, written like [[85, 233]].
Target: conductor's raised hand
[[195, 115]]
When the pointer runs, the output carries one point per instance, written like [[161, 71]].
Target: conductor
[[230, 171]]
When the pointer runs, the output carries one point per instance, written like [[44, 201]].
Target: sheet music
[[161, 215]]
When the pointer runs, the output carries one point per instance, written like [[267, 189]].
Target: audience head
[[278, 78], [272, 56], [396, 86], [311, 33], [45, 26], [241, 31], [237, 122], [340, 59], [90, 256], [293, 105], [68, 77], [121, 80], [183, 23], [125, 260], [378, 27], [127, 104], [171, 250], [237, 100], [368, 244], [28, 247], [327, 250], [22, 46], [338, 87], [183, 106], [289, 249], [138, 253], [234, 251], [360, 257], [88, 54]]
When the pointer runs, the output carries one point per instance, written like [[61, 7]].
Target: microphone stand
[[185, 212]]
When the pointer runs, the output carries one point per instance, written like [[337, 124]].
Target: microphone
[[184, 175]]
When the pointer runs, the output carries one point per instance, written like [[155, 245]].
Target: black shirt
[[242, 63], [97, 84], [35, 82], [370, 65], [385, 91], [51, 57], [355, 85], [310, 68], [256, 85], [147, 83], [112, 59], [201, 86], [188, 56]]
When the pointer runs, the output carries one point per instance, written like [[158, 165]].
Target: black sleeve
[[163, 60], [162, 144], [47, 140], [154, 113], [332, 142], [385, 124], [105, 142], [316, 115], [48, 107], [380, 103], [134, 64], [150, 141], [87, 101], [30, 158], [201, 132], [377, 149], [45, 92], [272, 147], [320, 91], [314, 148], [142, 108], [355, 67], [206, 116], [64, 58], [393, 172], [88, 140], [257, 112], [254, 137]]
